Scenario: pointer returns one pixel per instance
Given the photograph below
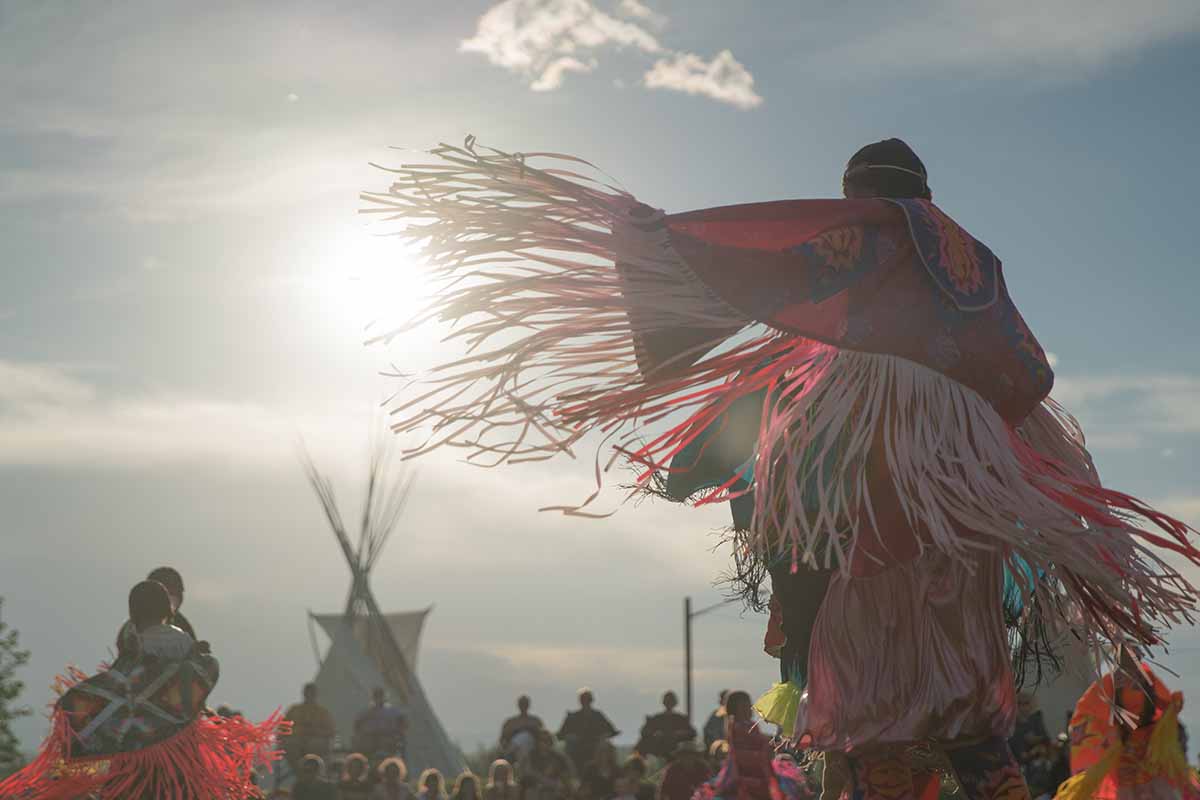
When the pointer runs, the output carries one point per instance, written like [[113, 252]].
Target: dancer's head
[[738, 706], [170, 578], [523, 704], [669, 701], [310, 693], [888, 168], [586, 698], [149, 605]]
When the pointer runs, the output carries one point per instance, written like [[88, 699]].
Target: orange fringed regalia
[[1125, 742]]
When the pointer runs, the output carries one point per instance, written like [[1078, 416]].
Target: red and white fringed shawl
[[880, 334], [211, 757]]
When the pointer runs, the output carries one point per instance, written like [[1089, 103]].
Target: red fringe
[[213, 757]]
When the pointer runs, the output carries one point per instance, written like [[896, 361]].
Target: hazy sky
[[185, 282]]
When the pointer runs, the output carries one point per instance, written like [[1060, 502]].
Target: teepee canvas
[[368, 648]]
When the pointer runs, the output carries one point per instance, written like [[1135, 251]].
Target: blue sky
[[185, 283]]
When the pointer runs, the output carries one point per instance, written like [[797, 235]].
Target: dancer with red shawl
[[853, 377], [751, 771], [139, 729], [1125, 740]]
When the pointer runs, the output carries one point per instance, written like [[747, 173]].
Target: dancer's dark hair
[[887, 168]]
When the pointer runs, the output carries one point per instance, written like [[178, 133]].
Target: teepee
[[369, 648]]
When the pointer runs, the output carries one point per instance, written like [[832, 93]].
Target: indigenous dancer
[[138, 729], [751, 771], [1125, 742], [854, 378]]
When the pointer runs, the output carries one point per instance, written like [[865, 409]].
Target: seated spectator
[[634, 772], [545, 774], [312, 728], [501, 784], [393, 773], [601, 771], [466, 787], [664, 730], [517, 734], [686, 769], [310, 781], [583, 729], [355, 782], [431, 786], [380, 730]]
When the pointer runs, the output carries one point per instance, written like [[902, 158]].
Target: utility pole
[[688, 616], [687, 656]]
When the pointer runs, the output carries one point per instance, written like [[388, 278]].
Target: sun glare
[[369, 283]]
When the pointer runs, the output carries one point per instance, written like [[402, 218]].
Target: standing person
[[664, 730], [381, 729], [501, 785], [143, 719], [517, 733], [714, 726], [1125, 740], [583, 729], [431, 785], [393, 773], [686, 769], [355, 781], [854, 377], [466, 787], [313, 728]]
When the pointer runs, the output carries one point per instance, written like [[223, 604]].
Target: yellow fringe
[[1084, 785], [780, 705], [1164, 755]]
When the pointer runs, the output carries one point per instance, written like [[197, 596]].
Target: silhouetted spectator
[[517, 734], [583, 729], [545, 774], [502, 784], [601, 771], [714, 727], [634, 771], [393, 773], [380, 730], [664, 730], [312, 728], [432, 785], [466, 787], [685, 771], [310, 781], [355, 782]]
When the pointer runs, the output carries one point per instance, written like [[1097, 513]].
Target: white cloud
[[724, 79], [1009, 37], [545, 39], [534, 37], [639, 10], [552, 76], [1157, 403]]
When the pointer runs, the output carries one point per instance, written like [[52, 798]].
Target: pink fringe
[[212, 757], [552, 348]]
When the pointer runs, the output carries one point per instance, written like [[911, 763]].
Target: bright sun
[[370, 283]]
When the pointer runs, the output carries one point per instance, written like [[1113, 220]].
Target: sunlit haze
[[188, 288]]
